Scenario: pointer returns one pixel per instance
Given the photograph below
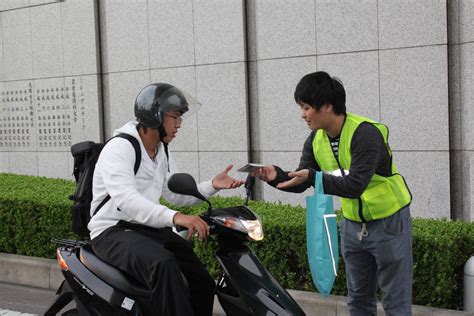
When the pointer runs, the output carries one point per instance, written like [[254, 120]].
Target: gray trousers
[[384, 258]]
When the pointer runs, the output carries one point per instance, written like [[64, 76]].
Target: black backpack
[[85, 157]]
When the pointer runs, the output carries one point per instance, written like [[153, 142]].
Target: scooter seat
[[110, 274]]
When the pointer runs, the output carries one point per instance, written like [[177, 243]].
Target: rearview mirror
[[183, 183]]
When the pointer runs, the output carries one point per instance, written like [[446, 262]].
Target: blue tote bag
[[321, 238]]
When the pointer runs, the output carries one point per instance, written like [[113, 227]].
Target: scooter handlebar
[[180, 228], [205, 218]]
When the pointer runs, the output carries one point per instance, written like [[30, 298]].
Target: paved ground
[[6, 312], [16, 300], [20, 300]]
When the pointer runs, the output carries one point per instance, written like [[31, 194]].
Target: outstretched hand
[[298, 177], [223, 181]]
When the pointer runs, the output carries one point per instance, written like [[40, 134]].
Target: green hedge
[[34, 210]]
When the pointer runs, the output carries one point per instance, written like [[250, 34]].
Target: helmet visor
[[176, 100]]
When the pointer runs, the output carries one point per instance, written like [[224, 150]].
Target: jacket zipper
[[360, 211]]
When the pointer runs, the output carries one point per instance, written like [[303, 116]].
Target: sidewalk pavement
[[4, 312], [45, 273]]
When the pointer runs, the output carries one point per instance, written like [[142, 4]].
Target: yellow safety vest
[[383, 196]]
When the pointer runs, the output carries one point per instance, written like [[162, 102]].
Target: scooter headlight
[[253, 228]]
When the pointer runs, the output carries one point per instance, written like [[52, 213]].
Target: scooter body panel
[[96, 297], [249, 288]]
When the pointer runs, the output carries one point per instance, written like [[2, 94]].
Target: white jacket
[[135, 198]]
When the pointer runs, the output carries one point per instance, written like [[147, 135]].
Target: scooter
[[244, 288]]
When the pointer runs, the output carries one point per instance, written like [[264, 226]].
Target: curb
[[30, 271], [46, 274]]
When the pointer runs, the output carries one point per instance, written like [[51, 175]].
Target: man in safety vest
[[354, 154]]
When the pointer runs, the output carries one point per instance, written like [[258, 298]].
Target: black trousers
[[158, 258]]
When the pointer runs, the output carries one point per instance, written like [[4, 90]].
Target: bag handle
[[318, 183]]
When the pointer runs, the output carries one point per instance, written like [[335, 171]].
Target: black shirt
[[369, 155]]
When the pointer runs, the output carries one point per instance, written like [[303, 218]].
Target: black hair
[[142, 126], [319, 88]]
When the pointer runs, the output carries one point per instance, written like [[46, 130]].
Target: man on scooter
[[132, 231]]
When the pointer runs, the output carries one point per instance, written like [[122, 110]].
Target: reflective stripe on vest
[[383, 196]]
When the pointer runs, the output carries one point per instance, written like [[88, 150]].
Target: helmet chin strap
[[161, 129], [162, 132]]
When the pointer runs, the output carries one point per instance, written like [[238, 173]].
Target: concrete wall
[[461, 100], [49, 84], [242, 61], [392, 59], [198, 46]]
